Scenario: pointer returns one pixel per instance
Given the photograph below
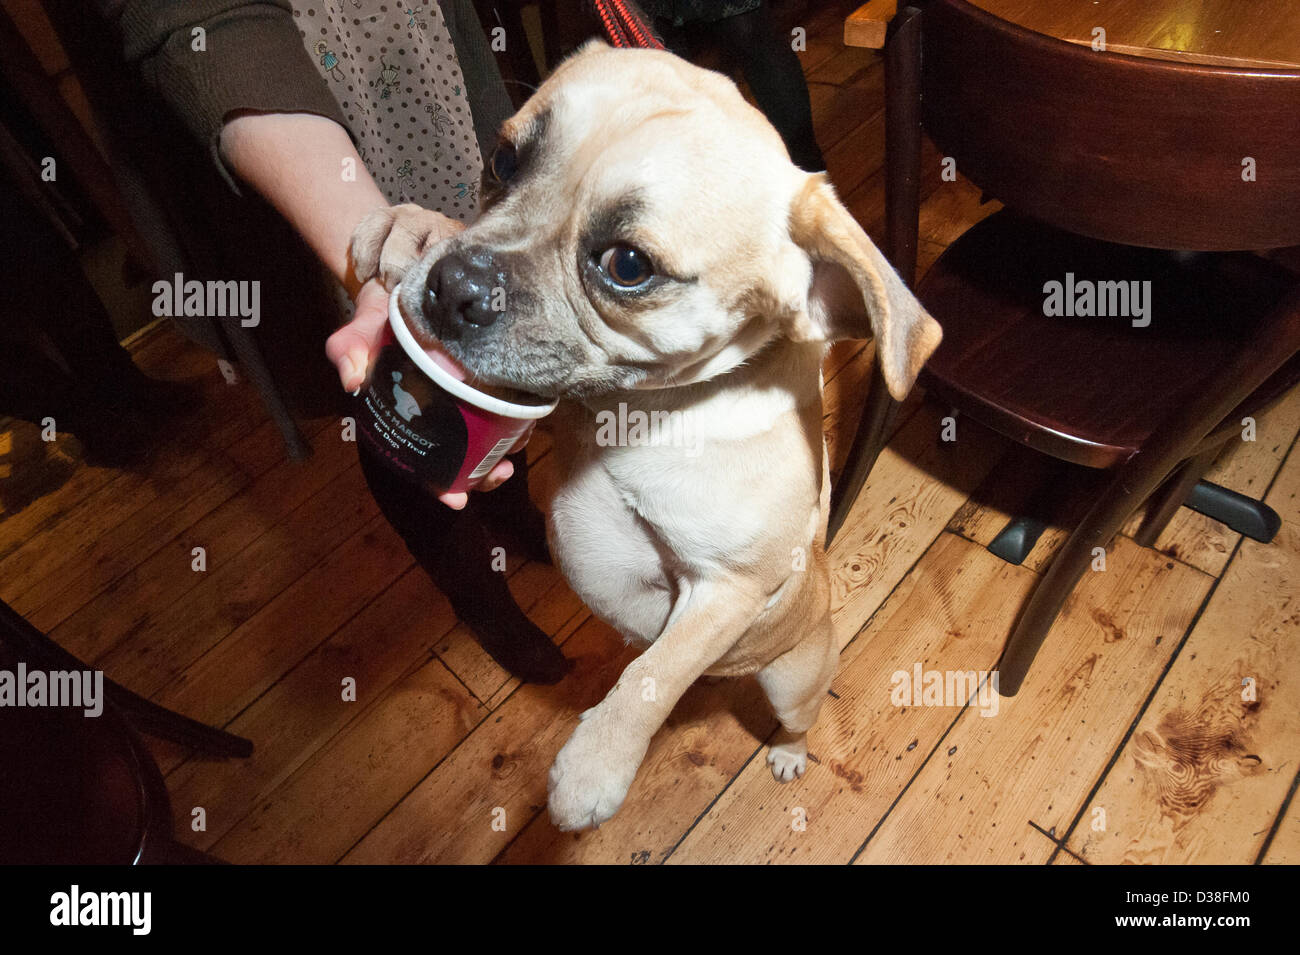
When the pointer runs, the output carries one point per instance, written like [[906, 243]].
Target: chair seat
[[1086, 388]]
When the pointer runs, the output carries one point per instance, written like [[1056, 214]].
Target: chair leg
[[550, 17], [144, 714], [250, 357], [157, 846], [519, 50], [878, 418], [1243, 514], [1273, 343], [162, 723], [1015, 541], [902, 211], [1117, 501], [903, 142], [1164, 504]]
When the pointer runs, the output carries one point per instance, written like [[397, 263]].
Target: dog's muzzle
[[465, 288]]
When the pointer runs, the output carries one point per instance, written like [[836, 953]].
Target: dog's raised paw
[[788, 760]]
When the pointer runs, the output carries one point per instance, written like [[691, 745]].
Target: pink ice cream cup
[[428, 423]]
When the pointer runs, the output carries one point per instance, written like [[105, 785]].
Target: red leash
[[624, 25]]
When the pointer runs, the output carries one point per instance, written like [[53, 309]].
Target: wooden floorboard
[[951, 611], [470, 806], [1129, 742], [1031, 762], [1284, 848], [1207, 770]]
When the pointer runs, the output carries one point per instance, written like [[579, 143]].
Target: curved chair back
[[1152, 153]]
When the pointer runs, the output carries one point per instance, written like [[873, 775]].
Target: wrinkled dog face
[[634, 235]]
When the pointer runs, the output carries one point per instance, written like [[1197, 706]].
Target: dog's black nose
[[464, 287]]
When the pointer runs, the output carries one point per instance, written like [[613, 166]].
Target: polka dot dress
[[392, 67]]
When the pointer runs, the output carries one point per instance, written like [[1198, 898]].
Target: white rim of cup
[[456, 387]]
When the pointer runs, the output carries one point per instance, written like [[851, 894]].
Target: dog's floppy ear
[[855, 292]]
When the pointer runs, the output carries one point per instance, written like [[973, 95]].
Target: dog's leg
[[594, 769], [796, 683]]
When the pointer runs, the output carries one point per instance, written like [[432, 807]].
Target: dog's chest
[[629, 520], [623, 563]]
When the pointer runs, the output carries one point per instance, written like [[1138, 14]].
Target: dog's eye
[[503, 163], [626, 266]]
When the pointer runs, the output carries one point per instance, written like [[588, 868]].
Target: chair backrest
[[1117, 147]]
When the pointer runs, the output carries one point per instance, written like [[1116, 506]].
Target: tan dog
[[661, 256]]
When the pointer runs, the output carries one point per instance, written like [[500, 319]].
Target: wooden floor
[[1130, 741]]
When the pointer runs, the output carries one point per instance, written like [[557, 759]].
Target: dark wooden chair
[[85, 790], [1105, 159]]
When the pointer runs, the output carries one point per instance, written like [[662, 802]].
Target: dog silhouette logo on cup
[[429, 424], [406, 405]]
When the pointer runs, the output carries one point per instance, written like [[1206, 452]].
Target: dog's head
[[643, 227]]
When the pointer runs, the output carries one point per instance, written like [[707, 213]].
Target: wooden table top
[[1259, 34], [1252, 34]]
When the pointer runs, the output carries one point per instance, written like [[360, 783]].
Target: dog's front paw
[[589, 778], [390, 240], [788, 759]]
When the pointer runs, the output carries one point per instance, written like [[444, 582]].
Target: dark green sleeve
[[252, 59], [486, 91]]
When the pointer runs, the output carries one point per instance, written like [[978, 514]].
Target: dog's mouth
[[444, 359]]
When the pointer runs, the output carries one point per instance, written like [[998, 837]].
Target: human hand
[[502, 470], [354, 347]]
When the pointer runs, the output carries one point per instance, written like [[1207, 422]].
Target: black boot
[[34, 388], [509, 513], [455, 550]]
